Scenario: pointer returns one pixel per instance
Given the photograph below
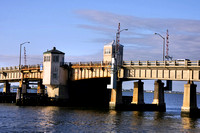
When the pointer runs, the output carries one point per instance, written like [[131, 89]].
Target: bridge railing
[[31, 67], [14, 68], [93, 63], [162, 63], [23, 67]]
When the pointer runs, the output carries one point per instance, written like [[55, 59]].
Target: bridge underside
[[89, 92]]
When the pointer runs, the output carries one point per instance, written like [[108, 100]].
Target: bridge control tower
[[54, 76], [109, 51]]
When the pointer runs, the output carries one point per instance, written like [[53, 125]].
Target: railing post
[[164, 63], [186, 63]]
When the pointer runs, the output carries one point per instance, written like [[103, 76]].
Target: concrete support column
[[25, 86], [40, 88], [19, 92], [158, 93], [138, 93], [116, 96], [189, 97], [6, 88], [119, 92]]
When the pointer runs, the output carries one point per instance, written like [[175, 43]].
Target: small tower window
[[107, 51], [46, 58], [55, 75], [56, 58]]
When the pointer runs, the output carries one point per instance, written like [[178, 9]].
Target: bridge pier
[[19, 92], [40, 88], [159, 93], [6, 88], [116, 96], [138, 93], [189, 98], [25, 85]]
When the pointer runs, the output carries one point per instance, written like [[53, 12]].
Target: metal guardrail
[[16, 68], [9, 68], [29, 67], [162, 63], [101, 63], [139, 63], [94, 63]]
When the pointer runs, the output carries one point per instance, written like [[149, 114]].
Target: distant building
[[109, 51]]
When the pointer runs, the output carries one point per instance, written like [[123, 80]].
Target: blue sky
[[81, 28]]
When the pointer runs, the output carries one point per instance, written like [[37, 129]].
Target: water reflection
[[189, 123], [111, 121], [158, 116], [61, 119], [137, 121], [47, 118]]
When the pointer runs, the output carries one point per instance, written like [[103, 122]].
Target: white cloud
[[141, 42]]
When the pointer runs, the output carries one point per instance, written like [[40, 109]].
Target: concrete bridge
[[135, 70], [25, 75], [88, 80]]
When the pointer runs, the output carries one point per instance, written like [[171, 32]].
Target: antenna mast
[[24, 55], [117, 39], [167, 47]]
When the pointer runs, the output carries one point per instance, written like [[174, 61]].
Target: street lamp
[[20, 54], [113, 79], [163, 45], [116, 47]]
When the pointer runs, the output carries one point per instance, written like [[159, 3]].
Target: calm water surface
[[61, 119]]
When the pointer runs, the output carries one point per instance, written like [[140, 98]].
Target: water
[[14, 90], [62, 119]]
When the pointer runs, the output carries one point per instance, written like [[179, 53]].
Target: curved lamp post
[[163, 45], [116, 47], [113, 79]]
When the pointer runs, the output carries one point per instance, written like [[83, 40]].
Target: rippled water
[[62, 119]]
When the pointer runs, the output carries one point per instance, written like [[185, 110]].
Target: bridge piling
[[159, 93], [18, 96], [40, 88], [116, 96], [138, 93], [189, 98], [25, 85], [6, 88]]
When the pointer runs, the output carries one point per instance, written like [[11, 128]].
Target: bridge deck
[[14, 74], [130, 70]]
